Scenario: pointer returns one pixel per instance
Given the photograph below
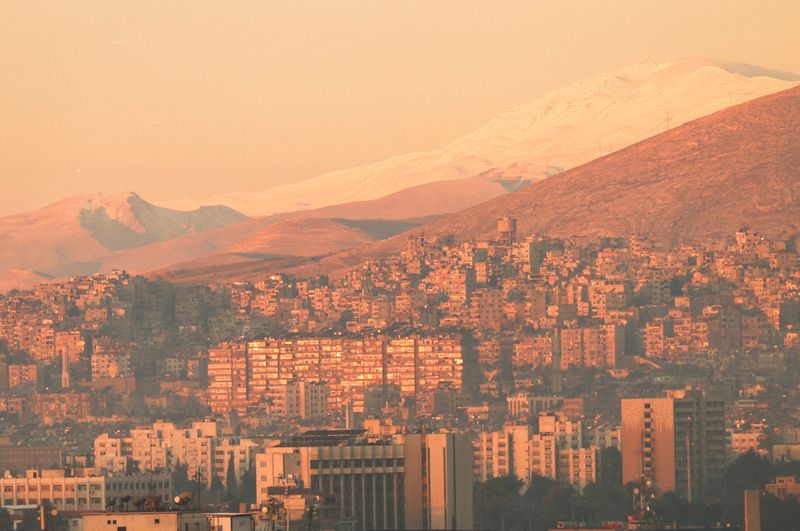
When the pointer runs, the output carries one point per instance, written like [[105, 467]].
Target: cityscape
[[584, 314]]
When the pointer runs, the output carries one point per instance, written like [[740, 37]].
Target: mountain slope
[[69, 237], [738, 167], [98, 233], [245, 249], [431, 199], [562, 129]]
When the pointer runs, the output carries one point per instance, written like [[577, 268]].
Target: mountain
[[563, 129], [430, 199], [20, 279], [72, 235], [98, 233], [736, 168], [249, 249], [255, 239]]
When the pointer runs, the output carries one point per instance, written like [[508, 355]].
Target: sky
[[188, 99]]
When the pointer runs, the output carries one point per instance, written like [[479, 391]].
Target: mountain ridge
[[69, 236], [565, 127], [740, 167]]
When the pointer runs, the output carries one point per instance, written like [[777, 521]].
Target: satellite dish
[[183, 498]]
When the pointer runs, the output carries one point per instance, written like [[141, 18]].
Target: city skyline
[[366, 265]]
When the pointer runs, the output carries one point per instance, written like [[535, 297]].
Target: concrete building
[[306, 400], [578, 466], [149, 521], [367, 479], [404, 482], [160, 447], [21, 458], [228, 379], [438, 481], [784, 486], [87, 490], [112, 364], [524, 406], [678, 442], [240, 453]]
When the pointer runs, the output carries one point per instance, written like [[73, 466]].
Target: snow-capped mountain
[[561, 130]]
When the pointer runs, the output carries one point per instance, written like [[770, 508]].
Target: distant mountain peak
[[565, 127], [70, 236]]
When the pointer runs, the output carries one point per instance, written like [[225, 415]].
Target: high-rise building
[[677, 442], [228, 379], [438, 481]]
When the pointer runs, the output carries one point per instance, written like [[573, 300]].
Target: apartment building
[[678, 442], [86, 490]]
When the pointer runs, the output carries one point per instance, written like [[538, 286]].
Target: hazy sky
[[177, 99]]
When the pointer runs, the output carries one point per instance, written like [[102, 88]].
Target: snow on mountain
[[560, 130]]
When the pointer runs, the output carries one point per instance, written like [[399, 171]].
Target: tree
[[131, 466], [230, 478], [749, 471], [778, 514], [497, 503], [607, 501], [557, 504], [217, 489], [246, 490], [180, 478]]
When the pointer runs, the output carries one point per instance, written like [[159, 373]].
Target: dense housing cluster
[[577, 360]]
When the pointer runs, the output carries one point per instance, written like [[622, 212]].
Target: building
[[228, 379], [402, 482], [678, 442], [151, 521], [578, 466], [438, 481], [306, 400], [162, 446], [86, 490], [367, 479], [239, 453], [784, 486], [21, 458], [524, 406], [21, 373], [112, 364]]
